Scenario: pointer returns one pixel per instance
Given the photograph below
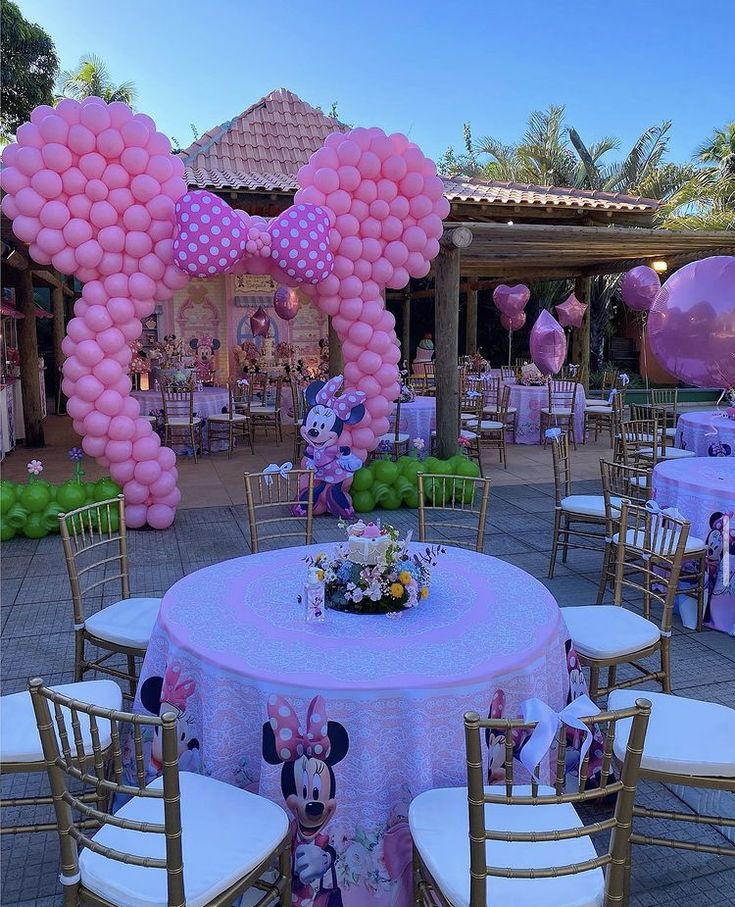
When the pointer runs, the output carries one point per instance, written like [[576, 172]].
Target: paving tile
[[19, 546], [29, 655], [35, 619], [15, 567], [9, 589], [45, 588]]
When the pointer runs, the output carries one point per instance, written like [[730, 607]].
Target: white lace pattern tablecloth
[[209, 401], [708, 434], [418, 419]]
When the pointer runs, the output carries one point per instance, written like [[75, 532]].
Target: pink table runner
[[708, 434], [377, 702], [703, 489]]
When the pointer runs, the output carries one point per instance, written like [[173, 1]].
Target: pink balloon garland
[[92, 188]]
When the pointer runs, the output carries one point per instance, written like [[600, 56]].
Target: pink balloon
[[369, 362], [89, 388], [135, 515], [73, 369], [146, 448], [548, 344], [691, 326], [147, 471], [97, 318], [89, 353], [164, 485], [167, 458], [511, 300], [96, 423], [135, 492], [51, 242], [121, 428], [122, 472], [94, 447], [77, 232], [260, 323], [109, 402], [121, 310], [118, 451], [111, 340], [639, 288], [571, 312], [108, 371], [513, 322], [160, 516], [54, 214]]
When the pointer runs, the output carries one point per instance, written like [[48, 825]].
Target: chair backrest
[[99, 770], [650, 552], [640, 442], [470, 403], [562, 393], [507, 373], [178, 402], [271, 498], [277, 392], [396, 417], [609, 380], [455, 503], [239, 389], [258, 387], [509, 793], [630, 482], [297, 397], [562, 467], [95, 546], [665, 404], [491, 388]]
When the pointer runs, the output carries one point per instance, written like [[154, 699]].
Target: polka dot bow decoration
[[213, 238], [342, 405], [291, 742]]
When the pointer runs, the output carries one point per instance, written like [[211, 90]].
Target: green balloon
[[362, 479], [6, 531], [443, 468], [106, 489], [51, 516], [35, 497], [392, 499], [16, 516], [410, 470], [71, 495], [106, 519], [363, 501], [430, 463], [35, 526], [8, 495], [437, 491], [455, 461], [411, 498], [467, 468], [386, 471]]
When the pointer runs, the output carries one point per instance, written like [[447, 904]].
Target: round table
[[209, 401], [418, 419], [384, 698], [709, 434], [529, 400], [703, 489]]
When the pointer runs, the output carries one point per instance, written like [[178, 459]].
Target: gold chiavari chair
[[95, 545], [233, 424], [663, 410], [20, 745], [453, 507], [179, 417], [525, 842], [183, 838], [609, 382], [492, 429], [494, 389], [638, 442], [470, 418], [650, 547], [520, 361], [280, 505], [672, 756], [665, 406], [561, 407], [508, 373], [395, 440], [607, 415], [428, 388], [578, 518], [297, 398], [267, 414]]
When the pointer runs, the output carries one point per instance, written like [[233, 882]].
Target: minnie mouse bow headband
[[174, 690], [342, 406], [291, 741], [213, 238]]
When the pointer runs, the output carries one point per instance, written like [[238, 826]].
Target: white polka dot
[[285, 733], [203, 259], [187, 197], [207, 199], [192, 247], [223, 261], [320, 264], [216, 209], [284, 243], [323, 246], [215, 231], [291, 272], [293, 253], [318, 748], [311, 215], [313, 234], [274, 253], [225, 241], [192, 267], [182, 256], [285, 754], [194, 227], [293, 214], [303, 224], [299, 750], [309, 736], [226, 221], [276, 232], [301, 263], [304, 243], [184, 217], [324, 727], [203, 238], [211, 269], [236, 233], [233, 253], [206, 218], [310, 273], [183, 236], [195, 207], [300, 207], [294, 233], [282, 263], [284, 711]]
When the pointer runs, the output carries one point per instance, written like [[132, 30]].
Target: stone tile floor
[[37, 638]]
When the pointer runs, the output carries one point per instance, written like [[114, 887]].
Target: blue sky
[[421, 68]]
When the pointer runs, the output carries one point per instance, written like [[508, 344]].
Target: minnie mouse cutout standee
[[333, 464], [204, 348], [171, 693], [309, 788]]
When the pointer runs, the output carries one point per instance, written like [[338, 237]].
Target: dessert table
[[703, 490], [709, 434], [344, 722]]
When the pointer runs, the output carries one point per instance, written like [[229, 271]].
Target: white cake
[[266, 351], [367, 552]]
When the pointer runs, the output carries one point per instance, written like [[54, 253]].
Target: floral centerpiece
[[531, 376], [374, 572]]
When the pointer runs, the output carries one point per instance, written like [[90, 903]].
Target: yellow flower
[[321, 556], [396, 590], [405, 577], [320, 575], [424, 591]]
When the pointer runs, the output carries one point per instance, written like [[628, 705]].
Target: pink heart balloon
[[511, 300], [513, 322], [548, 344]]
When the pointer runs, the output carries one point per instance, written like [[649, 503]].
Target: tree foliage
[[90, 79], [27, 70]]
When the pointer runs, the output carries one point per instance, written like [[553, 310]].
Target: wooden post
[[471, 335], [406, 329], [58, 329], [581, 343], [446, 322], [336, 360], [28, 351]]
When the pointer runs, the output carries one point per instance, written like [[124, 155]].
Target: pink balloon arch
[[94, 190]]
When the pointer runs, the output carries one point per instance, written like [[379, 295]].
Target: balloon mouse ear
[[386, 203]]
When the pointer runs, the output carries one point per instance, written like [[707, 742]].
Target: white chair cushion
[[439, 827], [128, 622], [226, 832], [263, 410], [635, 538], [20, 741], [557, 411], [672, 744], [670, 432], [180, 421], [493, 409], [228, 417], [598, 409], [588, 504], [668, 453], [597, 404], [469, 435], [390, 438], [152, 419], [608, 631], [491, 425]]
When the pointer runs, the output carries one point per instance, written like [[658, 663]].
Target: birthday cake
[[367, 544]]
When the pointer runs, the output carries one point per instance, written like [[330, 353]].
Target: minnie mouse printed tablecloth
[[709, 434], [703, 490], [344, 722]]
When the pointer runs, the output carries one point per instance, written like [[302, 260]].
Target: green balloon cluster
[[389, 484], [33, 510]]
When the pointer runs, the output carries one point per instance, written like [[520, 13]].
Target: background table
[[232, 651], [696, 431], [418, 419], [529, 400], [209, 401], [703, 489]]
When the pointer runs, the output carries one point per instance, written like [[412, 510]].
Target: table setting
[[708, 434], [208, 401]]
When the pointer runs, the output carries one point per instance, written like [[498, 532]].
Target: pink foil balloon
[[691, 326], [260, 322], [571, 312], [639, 288], [511, 300], [513, 322], [548, 344], [286, 303]]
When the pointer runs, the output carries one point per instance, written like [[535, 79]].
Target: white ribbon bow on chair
[[552, 433], [655, 508], [624, 379], [283, 470], [547, 727], [611, 396]]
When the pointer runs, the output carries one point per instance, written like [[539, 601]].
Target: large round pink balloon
[[691, 326], [548, 344], [639, 288], [511, 300], [286, 303]]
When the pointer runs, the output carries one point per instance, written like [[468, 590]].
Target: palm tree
[[92, 79]]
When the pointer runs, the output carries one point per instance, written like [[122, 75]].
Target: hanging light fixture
[[659, 266]]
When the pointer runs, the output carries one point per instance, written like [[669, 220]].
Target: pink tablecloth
[[707, 434], [703, 489], [529, 401], [418, 419], [383, 697]]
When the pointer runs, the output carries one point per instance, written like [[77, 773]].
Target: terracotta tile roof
[[262, 149]]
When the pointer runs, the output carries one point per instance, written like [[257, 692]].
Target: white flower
[[419, 443], [35, 467], [357, 595], [357, 860]]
